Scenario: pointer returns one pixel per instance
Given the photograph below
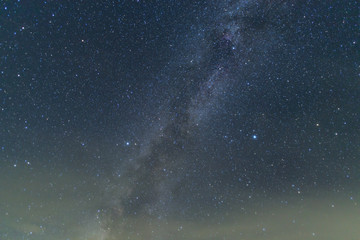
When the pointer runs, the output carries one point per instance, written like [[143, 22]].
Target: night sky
[[177, 107]]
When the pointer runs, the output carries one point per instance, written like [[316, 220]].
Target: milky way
[[125, 114], [236, 46]]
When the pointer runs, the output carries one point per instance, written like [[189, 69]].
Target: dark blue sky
[[234, 95]]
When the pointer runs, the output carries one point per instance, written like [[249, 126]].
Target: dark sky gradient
[[183, 101]]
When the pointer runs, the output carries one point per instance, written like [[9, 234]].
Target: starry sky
[[186, 105]]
